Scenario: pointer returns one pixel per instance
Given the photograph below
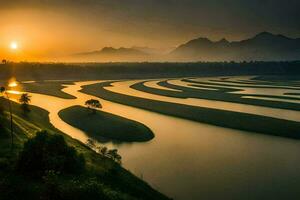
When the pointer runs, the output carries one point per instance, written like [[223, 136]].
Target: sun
[[14, 45]]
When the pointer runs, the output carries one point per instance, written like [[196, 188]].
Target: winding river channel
[[188, 160]]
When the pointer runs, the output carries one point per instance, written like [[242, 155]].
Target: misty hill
[[108, 54], [153, 51], [262, 47]]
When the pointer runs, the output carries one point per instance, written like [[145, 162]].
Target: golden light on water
[[14, 89], [14, 92], [12, 84]]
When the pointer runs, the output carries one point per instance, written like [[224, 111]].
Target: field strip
[[247, 81], [153, 84], [189, 85], [266, 91], [235, 84], [257, 82], [123, 88], [223, 78], [271, 99], [248, 90], [255, 85]]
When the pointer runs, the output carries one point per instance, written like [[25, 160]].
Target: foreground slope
[[119, 183]]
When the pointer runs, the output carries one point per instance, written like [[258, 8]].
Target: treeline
[[89, 71]]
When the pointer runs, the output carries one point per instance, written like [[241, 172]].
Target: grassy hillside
[[115, 181], [102, 124]]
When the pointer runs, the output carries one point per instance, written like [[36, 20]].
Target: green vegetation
[[52, 88], [24, 100], [229, 119], [4, 93], [104, 151], [92, 105], [46, 152], [104, 126], [101, 177]]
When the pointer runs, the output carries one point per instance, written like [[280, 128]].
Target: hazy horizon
[[47, 30]]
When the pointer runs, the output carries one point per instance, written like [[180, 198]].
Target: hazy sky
[[50, 28]]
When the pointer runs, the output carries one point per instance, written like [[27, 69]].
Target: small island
[[105, 126]]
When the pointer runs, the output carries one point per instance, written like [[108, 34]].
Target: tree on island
[[93, 104], [4, 61], [24, 100]]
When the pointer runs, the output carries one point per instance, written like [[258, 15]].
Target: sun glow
[[14, 45]]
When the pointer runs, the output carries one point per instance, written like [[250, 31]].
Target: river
[[188, 160]]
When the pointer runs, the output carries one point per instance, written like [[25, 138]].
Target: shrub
[[46, 152], [104, 151], [113, 154], [83, 189]]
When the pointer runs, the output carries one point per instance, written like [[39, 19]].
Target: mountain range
[[264, 46], [108, 54]]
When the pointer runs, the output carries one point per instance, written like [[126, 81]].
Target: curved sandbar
[[223, 95], [53, 88], [229, 119], [104, 126]]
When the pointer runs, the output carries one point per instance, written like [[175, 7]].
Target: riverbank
[[104, 171]]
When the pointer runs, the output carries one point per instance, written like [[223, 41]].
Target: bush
[[83, 189], [47, 152]]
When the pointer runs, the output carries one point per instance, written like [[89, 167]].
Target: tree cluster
[[104, 151], [46, 152]]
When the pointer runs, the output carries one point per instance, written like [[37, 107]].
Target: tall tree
[[24, 100]]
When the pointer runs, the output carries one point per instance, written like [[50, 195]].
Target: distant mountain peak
[[113, 54], [223, 41], [264, 34], [264, 46], [203, 39], [108, 49]]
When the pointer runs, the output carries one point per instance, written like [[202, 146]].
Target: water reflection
[[189, 160], [124, 88]]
